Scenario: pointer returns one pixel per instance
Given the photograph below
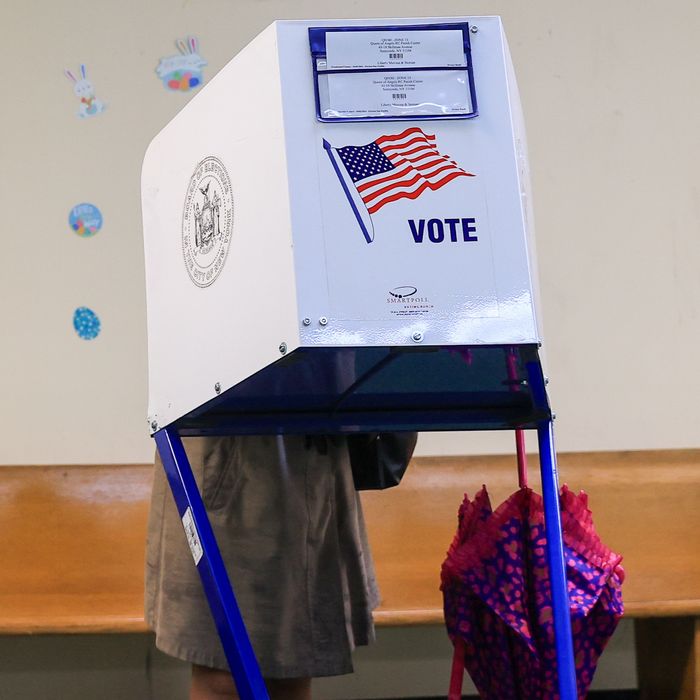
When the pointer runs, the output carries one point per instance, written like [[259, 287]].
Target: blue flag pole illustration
[[336, 167]]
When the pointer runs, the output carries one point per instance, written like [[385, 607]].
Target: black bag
[[379, 460]]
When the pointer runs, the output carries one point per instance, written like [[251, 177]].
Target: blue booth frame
[[264, 404]]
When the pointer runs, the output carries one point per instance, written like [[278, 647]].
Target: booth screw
[[554, 416], [546, 381], [417, 336], [306, 321], [323, 320], [154, 425], [283, 348], [473, 29], [217, 388]]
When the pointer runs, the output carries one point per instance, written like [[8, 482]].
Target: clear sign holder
[[397, 77]]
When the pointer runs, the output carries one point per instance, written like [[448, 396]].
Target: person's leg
[[213, 684], [289, 688]]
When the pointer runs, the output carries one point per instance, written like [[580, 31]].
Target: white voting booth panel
[[362, 191]]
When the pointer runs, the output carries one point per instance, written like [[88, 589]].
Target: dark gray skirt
[[290, 528]]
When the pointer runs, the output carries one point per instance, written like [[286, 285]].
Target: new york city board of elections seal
[[207, 221]]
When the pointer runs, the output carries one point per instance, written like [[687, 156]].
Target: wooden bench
[[646, 506], [73, 543]]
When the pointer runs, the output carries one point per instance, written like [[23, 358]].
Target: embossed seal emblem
[[207, 221]]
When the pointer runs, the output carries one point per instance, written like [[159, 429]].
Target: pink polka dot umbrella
[[496, 595]]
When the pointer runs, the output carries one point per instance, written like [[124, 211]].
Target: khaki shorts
[[290, 528]]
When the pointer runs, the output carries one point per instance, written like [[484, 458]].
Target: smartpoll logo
[[406, 300], [403, 291], [461, 230]]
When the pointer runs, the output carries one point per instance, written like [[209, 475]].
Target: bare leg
[[289, 688], [213, 684]]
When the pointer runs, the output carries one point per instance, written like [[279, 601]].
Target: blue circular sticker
[[86, 323], [85, 219]]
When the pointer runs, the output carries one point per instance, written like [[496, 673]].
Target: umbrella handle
[[512, 368], [522, 457], [457, 675]]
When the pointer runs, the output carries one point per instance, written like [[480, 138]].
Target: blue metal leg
[[227, 616], [566, 670]]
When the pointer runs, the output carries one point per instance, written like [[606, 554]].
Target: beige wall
[[610, 101]]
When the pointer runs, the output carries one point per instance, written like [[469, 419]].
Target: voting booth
[[338, 239]]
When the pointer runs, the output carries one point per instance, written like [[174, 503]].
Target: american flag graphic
[[402, 166]]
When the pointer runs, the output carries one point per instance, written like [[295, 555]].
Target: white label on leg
[[192, 535]]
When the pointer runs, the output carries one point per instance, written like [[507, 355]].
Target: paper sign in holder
[[399, 106]]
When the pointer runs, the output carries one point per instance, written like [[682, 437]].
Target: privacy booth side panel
[[525, 180], [220, 274], [384, 263]]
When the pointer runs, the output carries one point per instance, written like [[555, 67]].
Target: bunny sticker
[[89, 104], [183, 71]]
